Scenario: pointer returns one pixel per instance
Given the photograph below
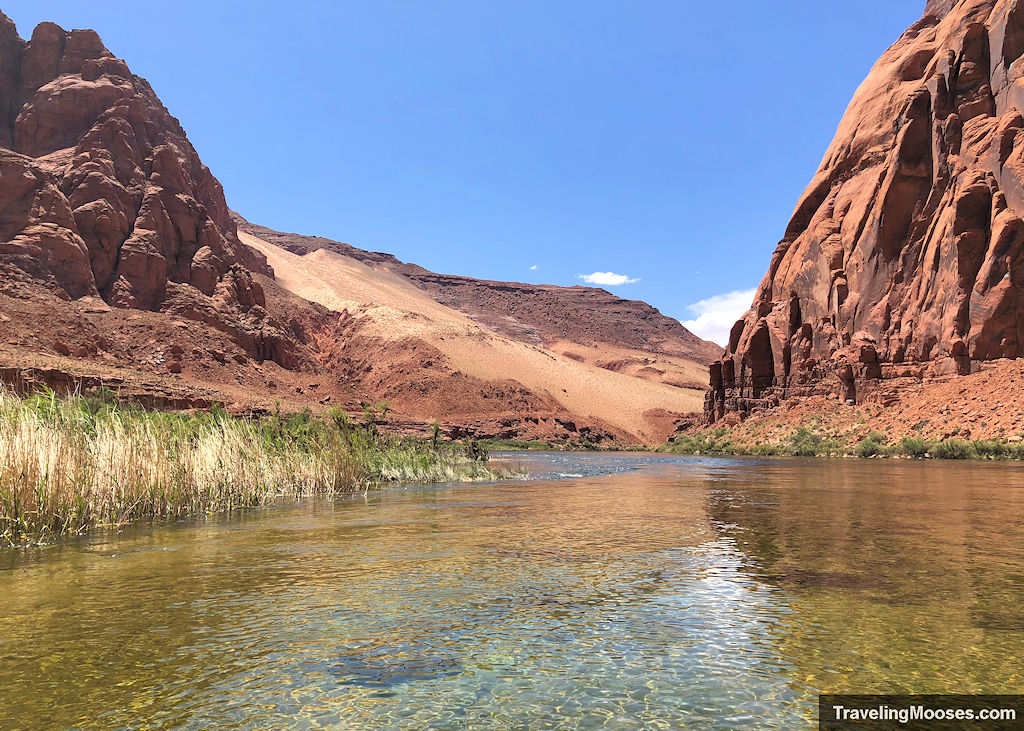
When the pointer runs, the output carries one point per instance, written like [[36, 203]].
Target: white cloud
[[609, 279], [533, 268], [716, 315]]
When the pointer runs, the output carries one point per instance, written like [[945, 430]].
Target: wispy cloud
[[608, 279], [715, 316], [533, 268]]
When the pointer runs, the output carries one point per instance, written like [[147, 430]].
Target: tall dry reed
[[67, 464]]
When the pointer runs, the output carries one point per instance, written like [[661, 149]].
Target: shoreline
[[709, 443]]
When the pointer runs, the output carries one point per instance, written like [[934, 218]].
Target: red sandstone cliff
[[904, 258], [101, 193]]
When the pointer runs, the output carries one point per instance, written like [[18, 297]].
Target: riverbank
[[811, 440], [70, 464], [976, 416], [807, 440], [567, 445]]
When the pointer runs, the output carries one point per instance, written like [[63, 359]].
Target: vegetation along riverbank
[[69, 464], [812, 441]]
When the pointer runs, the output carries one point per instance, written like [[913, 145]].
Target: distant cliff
[[122, 267]]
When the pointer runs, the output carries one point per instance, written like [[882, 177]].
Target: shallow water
[[651, 591]]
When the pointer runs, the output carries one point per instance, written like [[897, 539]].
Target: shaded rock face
[[102, 194], [905, 255]]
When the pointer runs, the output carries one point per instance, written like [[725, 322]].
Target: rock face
[[102, 194], [584, 315], [904, 257]]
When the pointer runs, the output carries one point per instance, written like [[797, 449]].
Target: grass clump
[[68, 464]]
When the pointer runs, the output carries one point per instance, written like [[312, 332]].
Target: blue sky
[[658, 147]]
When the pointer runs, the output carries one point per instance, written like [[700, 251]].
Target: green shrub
[[806, 443], [991, 449], [952, 449], [713, 441], [868, 447], [477, 451], [913, 447]]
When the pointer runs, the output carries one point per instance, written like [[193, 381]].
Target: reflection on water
[[714, 593], [914, 573]]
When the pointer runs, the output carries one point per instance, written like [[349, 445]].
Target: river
[[608, 591]]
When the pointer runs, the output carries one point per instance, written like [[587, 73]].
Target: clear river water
[[607, 591]]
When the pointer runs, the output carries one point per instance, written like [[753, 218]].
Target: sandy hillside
[[657, 367], [394, 309]]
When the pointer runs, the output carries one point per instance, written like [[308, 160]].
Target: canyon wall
[[904, 257]]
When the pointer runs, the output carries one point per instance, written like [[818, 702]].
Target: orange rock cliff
[[904, 257]]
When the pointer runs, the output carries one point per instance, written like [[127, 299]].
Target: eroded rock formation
[[904, 258], [102, 194]]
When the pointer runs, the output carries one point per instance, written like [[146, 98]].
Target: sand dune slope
[[392, 308]]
